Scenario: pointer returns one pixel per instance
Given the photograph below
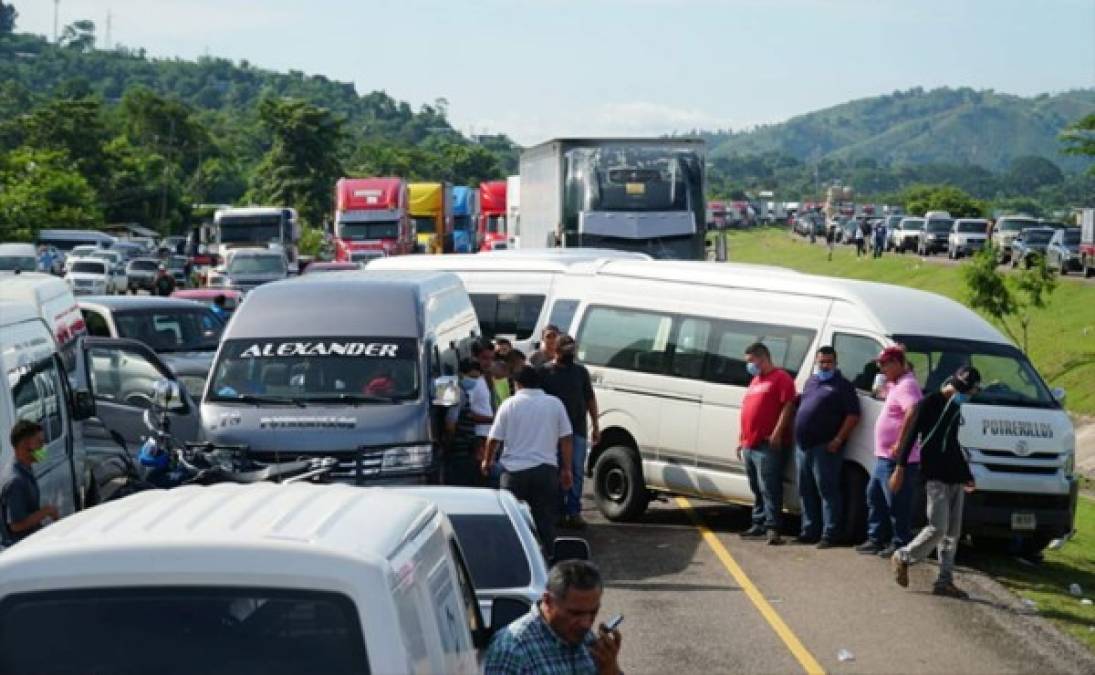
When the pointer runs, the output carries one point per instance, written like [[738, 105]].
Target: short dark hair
[[480, 346], [23, 430], [498, 342], [468, 365], [577, 574], [527, 377], [550, 328], [515, 355], [758, 349], [827, 350], [220, 300]]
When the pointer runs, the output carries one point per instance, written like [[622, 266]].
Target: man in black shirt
[[943, 467], [20, 512], [569, 382]]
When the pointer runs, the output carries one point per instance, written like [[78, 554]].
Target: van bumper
[[989, 513]]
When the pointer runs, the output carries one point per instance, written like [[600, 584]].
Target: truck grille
[[1011, 455], [1022, 468]]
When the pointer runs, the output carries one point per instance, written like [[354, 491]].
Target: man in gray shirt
[[536, 430]]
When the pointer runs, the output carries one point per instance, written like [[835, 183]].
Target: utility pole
[[109, 17], [56, 9]]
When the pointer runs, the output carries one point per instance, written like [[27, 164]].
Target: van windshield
[[328, 370], [10, 263], [1007, 376], [972, 226], [88, 267], [257, 264], [189, 629]]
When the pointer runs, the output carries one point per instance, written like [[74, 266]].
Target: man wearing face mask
[[828, 411], [766, 413], [21, 515], [946, 474]]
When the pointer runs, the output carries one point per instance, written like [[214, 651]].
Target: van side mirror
[[504, 610], [83, 405], [1059, 394], [446, 391], [569, 548]]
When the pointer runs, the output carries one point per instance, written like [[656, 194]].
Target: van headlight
[[407, 458], [1070, 463]]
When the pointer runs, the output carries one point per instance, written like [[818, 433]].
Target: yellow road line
[[803, 655]]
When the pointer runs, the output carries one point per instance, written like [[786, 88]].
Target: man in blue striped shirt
[[556, 636]]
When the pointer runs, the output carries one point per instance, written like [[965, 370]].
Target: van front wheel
[[618, 485]]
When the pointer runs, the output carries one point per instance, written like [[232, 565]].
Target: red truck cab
[[371, 219], [492, 215]]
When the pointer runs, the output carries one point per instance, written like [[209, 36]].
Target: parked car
[[90, 276], [1030, 245], [1063, 251], [1005, 231], [317, 267], [933, 237], [140, 274], [18, 258], [906, 235], [116, 267], [967, 237], [261, 578]]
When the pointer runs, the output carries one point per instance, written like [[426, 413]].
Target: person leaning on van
[[536, 430], [21, 514], [766, 414]]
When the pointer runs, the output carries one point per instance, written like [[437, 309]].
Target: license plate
[[1024, 522]]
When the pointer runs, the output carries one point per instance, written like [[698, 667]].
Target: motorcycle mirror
[[165, 391]]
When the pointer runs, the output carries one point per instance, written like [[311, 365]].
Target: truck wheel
[[853, 487], [1030, 548], [618, 485]]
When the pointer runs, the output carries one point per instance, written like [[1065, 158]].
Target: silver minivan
[[352, 365]]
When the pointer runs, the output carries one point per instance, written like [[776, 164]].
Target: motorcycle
[[164, 463]]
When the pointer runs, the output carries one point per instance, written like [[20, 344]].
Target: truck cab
[[492, 215], [371, 219], [465, 215], [431, 215]]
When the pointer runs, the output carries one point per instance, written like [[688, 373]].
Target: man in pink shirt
[[890, 513]]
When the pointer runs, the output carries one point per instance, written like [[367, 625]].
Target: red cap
[[892, 353]]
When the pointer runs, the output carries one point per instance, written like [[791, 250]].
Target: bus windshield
[[250, 229], [1007, 376], [632, 178]]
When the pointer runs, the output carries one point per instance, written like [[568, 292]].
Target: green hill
[[942, 126]]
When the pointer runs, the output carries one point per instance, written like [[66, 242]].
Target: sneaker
[[754, 532], [949, 590], [804, 540], [869, 548], [773, 538], [900, 570], [825, 543], [887, 552]]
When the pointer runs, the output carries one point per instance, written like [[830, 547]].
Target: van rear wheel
[[618, 484]]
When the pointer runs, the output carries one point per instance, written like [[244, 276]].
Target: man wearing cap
[[546, 352], [889, 512], [935, 421], [165, 283], [570, 383]]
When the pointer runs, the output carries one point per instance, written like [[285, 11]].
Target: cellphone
[[613, 623]]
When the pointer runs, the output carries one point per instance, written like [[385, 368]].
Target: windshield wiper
[[251, 398], [351, 398]]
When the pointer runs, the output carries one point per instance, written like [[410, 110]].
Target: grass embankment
[[1062, 336], [1047, 584]]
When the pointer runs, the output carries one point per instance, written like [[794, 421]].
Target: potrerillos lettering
[[284, 349], [1017, 428]]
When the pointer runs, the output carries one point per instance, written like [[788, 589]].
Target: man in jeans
[[828, 411], [889, 512], [946, 474], [569, 382], [766, 413], [536, 431]]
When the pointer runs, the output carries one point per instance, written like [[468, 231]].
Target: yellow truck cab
[[431, 213]]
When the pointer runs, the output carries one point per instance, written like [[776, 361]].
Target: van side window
[[855, 356], [36, 393], [507, 314], [562, 313], [726, 365], [467, 592], [96, 323], [124, 377], [626, 339], [690, 347]]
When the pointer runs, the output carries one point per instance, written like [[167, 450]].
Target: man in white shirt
[[535, 428]]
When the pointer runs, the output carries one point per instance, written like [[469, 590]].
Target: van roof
[[337, 519], [15, 248], [339, 303], [14, 311], [515, 260], [896, 310], [88, 235], [122, 303], [251, 211], [33, 287]]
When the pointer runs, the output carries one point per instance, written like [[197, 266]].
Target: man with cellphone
[[557, 635]]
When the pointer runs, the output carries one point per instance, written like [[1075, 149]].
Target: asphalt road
[[685, 612]]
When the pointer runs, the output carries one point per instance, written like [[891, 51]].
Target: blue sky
[[541, 68]]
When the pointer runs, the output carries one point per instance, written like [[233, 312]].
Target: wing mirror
[[569, 548], [83, 405], [446, 391], [1059, 394], [165, 393]]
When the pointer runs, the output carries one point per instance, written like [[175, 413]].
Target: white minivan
[[511, 289], [664, 343], [261, 578]]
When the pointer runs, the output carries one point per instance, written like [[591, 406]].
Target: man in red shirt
[[766, 413]]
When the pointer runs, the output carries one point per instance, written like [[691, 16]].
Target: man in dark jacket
[[943, 467], [164, 283]]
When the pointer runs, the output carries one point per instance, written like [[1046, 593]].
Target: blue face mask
[[960, 398], [825, 375], [752, 369]]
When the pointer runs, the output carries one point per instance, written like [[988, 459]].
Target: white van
[[511, 289], [55, 304], [243, 578], [664, 343], [90, 276]]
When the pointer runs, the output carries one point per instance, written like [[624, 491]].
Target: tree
[[1079, 138], [41, 189], [1029, 173], [919, 199], [7, 18], [1004, 298], [74, 126], [302, 165], [79, 36]]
